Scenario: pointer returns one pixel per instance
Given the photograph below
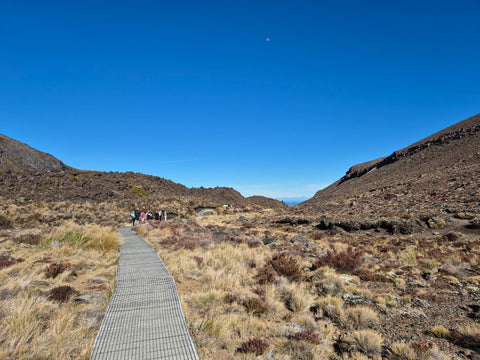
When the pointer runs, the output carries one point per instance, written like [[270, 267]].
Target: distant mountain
[[17, 155], [440, 172]]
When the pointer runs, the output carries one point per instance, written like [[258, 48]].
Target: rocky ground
[[419, 275]]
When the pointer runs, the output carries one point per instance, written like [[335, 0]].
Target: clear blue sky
[[276, 98]]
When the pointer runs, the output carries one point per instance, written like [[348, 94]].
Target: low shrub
[[255, 345], [54, 269], [368, 275], [198, 260], [231, 298], [308, 335], [346, 261], [6, 261], [61, 293], [266, 275], [30, 239], [286, 265]]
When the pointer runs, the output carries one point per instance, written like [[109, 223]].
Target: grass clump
[[361, 317], [414, 350], [367, 342], [94, 237], [440, 331], [255, 306]]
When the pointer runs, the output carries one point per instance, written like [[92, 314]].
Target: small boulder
[[299, 239]]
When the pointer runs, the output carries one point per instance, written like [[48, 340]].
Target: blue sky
[[274, 98]]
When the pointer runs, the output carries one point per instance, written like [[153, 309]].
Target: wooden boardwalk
[[144, 319]]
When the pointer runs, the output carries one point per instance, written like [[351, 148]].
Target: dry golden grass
[[367, 342], [229, 307], [34, 327], [440, 331], [227, 303]]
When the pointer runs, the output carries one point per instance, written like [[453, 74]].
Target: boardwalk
[[144, 319]]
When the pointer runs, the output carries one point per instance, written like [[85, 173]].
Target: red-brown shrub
[[345, 261], [266, 275], [61, 293], [286, 265], [231, 298], [198, 260], [307, 335], [54, 269], [256, 345], [368, 275], [6, 261]]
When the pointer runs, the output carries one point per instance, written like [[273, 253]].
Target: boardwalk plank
[[144, 319]]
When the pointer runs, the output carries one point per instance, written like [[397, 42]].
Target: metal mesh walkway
[[144, 319]]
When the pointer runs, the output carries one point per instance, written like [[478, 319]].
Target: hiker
[[137, 214], [142, 216], [164, 215], [132, 215], [157, 215], [149, 215]]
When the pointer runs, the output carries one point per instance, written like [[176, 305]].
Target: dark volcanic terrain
[[438, 173], [17, 155]]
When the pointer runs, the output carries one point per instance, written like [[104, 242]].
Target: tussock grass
[[361, 317], [440, 331], [401, 351], [296, 297], [34, 327], [367, 342], [94, 237]]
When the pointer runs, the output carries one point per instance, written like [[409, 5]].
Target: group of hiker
[[141, 216]]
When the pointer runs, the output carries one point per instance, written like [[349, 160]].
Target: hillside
[[440, 172], [17, 155], [30, 177]]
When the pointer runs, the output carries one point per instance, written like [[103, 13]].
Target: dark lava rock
[[474, 224], [325, 224], [300, 239], [219, 236], [269, 240]]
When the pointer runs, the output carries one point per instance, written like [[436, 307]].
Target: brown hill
[[97, 186], [440, 172], [17, 155], [29, 176]]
